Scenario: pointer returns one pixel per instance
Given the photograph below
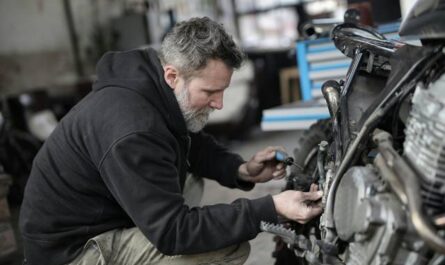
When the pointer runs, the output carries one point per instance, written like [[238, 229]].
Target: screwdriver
[[281, 156]]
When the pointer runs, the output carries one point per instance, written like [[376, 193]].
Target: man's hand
[[263, 167], [299, 206]]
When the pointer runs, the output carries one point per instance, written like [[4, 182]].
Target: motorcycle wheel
[[305, 154]]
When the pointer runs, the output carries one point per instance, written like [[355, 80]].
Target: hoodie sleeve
[[211, 160], [140, 172]]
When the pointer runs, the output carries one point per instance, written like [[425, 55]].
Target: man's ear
[[171, 75]]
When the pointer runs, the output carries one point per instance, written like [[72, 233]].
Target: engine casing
[[371, 219]]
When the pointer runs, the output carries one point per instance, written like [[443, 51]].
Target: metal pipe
[[409, 180], [331, 94], [346, 40], [391, 177], [344, 95], [352, 71], [320, 163]]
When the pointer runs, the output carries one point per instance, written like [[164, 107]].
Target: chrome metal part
[[322, 147], [425, 142], [373, 221], [328, 221], [410, 182], [330, 90], [301, 243]]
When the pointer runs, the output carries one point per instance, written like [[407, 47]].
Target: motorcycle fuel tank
[[425, 20]]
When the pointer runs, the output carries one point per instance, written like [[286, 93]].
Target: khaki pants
[[131, 247]]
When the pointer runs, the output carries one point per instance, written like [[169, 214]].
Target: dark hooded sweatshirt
[[119, 159]]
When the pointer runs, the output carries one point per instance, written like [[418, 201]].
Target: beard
[[195, 119]]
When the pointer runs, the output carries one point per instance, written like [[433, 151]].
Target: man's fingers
[[267, 154], [279, 174], [314, 210], [314, 187], [308, 212], [273, 148], [312, 196], [299, 210]]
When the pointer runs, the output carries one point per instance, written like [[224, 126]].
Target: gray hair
[[190, 44]]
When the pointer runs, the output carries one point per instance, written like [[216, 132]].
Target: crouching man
[[107, 187]]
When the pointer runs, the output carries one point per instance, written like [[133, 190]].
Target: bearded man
[[108, 186]]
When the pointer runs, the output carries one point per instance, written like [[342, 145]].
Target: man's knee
[[244, 251], [233, 255]]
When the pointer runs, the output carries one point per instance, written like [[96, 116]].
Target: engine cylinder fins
[[425, 142], [433, 199]]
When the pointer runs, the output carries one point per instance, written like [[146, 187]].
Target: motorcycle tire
[[305, 152], [305, 155]]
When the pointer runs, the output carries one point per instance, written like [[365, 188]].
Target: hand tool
[[283, 157]]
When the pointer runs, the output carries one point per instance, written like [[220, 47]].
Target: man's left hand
[[263, 167]]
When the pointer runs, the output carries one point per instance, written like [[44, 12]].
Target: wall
[[35, 48], [34, 45], [32, 26]]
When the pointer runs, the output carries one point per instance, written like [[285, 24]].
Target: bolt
[[323, 145]]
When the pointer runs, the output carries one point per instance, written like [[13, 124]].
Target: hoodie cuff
[[238, 182], [244, 185], [264, 209]]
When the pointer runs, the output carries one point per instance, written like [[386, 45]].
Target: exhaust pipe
[[331, 93]]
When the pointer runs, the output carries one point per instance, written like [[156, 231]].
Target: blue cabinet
[[318, 61]]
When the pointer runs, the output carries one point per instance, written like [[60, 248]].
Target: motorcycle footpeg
[[299, 242]]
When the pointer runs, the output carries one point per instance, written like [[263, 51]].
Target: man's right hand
[[298, 206]]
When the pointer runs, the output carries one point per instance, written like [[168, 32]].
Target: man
[[107, 186]]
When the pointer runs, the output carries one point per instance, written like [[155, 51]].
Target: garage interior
[[49, 50]]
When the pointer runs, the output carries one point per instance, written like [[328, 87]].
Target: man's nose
[[217, 102]]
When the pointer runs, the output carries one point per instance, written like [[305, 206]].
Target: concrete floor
[[263, 245]]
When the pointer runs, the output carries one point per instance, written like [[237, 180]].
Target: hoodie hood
[[140, 70]]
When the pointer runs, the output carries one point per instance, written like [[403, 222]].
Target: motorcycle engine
[[368, 215], [370, 218]]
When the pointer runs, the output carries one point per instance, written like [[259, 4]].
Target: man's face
[[203, 93]]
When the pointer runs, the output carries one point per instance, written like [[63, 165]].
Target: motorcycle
[[380, 158]]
